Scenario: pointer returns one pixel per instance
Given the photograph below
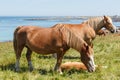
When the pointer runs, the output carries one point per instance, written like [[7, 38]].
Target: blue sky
[[59, 7]]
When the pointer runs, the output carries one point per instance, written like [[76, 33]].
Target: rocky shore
[[67, 18]]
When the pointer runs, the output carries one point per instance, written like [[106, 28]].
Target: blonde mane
[[96, 22], [72, 40]]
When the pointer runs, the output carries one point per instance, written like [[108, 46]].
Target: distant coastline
[[60, 18], [115, 18], [67, 18]]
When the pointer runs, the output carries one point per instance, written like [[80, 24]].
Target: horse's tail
[[15, 38]]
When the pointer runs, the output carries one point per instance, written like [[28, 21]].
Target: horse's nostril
[[91, 69], [112, 31]]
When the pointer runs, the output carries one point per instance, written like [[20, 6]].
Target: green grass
[[107, 53]]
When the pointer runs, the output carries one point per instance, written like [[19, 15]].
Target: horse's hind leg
[[28, 56], [18, 55]]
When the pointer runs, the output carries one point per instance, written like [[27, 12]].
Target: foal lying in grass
[[77, 66]]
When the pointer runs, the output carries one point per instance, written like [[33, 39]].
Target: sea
[[9, 23]]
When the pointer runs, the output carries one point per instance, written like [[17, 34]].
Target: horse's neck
[[72, 40], [96, 23]]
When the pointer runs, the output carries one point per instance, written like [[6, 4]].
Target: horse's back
[[22, 32], [29, 28], [83, 30], [79, 29]]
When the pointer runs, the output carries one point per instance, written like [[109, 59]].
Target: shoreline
[[6, 41]]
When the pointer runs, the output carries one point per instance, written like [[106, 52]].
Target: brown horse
[[57, 39], [97, 23]]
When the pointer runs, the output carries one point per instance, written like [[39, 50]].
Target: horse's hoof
[[31, 69], [61, 73], [17, 70]]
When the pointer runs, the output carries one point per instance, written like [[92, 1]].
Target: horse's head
[[87, 57], [108, 24]]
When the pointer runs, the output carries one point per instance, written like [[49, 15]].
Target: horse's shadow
[[7, 67], [45, 72], [74, 71], [65, 73], [11, 67], [71, 57], [65, 57]]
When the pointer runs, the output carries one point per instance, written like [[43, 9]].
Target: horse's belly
[[44, 52], [44, 49]]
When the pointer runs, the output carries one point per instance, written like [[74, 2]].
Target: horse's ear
[[92, 45], [85, 46], [105, 19]]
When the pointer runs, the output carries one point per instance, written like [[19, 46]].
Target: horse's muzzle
[[91, 70], [113, 31]]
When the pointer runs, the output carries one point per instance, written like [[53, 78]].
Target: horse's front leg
[[58, 63], [28, 56]]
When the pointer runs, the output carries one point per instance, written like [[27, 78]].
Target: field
[[106, 51]]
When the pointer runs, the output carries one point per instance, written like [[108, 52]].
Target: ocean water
[[8, 24]]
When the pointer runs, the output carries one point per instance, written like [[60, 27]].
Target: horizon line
[[51, 15]]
